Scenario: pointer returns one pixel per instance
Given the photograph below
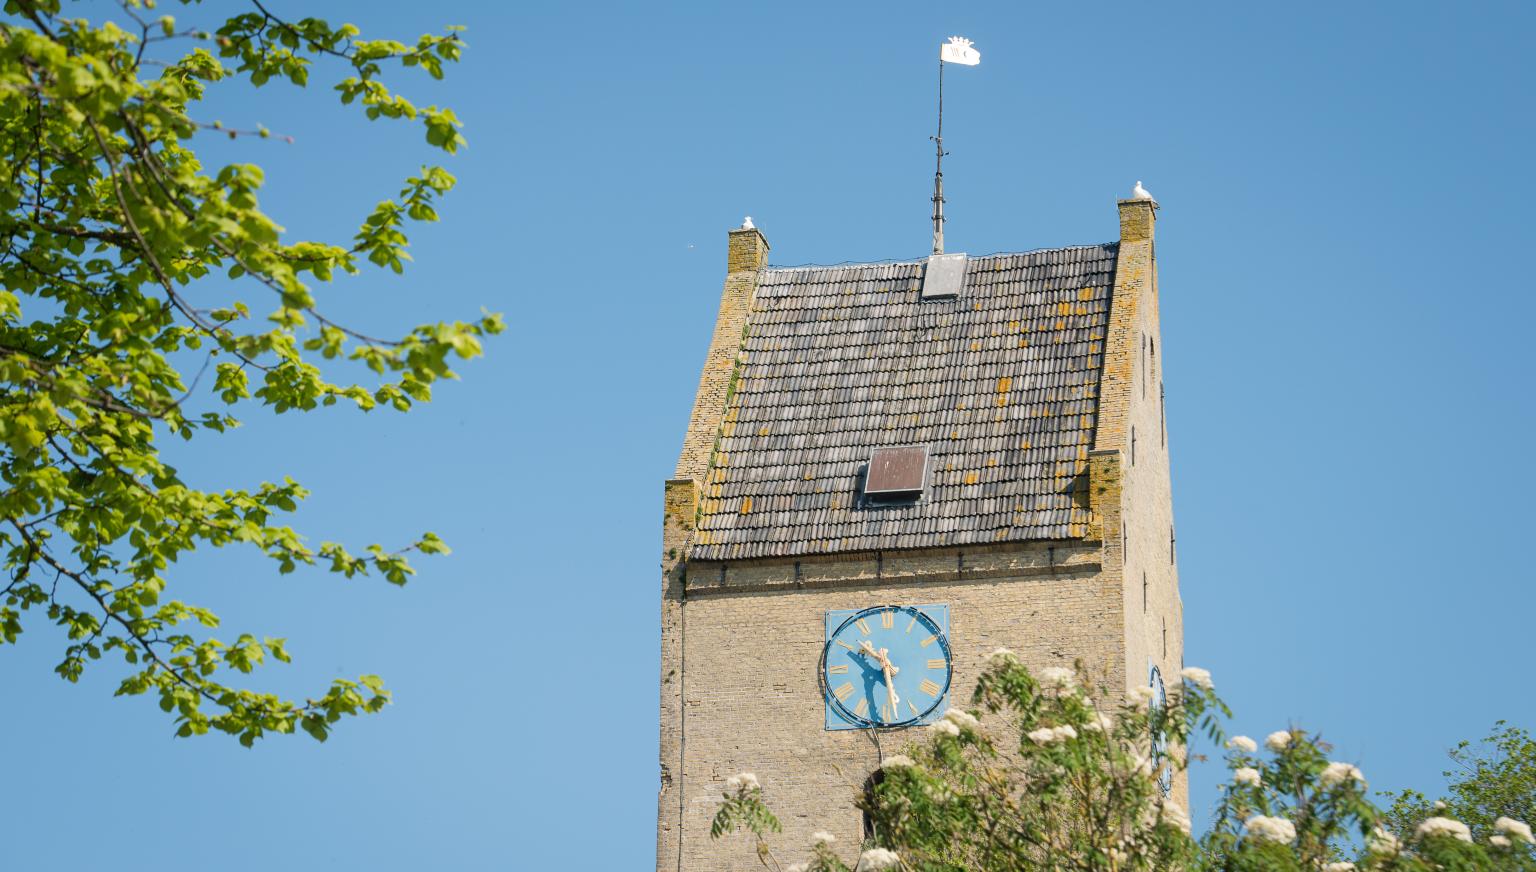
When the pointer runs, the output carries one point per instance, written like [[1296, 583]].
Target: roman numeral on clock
[[887, 619], [929, 687], [936, 664], [843, 691]]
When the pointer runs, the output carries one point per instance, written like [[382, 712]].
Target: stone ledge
[[1070, 558]]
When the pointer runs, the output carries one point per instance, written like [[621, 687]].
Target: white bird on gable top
[[1140, 193]]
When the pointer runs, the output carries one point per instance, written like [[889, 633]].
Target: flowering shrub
[[1056, 775]]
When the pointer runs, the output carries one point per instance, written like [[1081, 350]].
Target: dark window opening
[[1165, 637], [1143, 591], [870, 800], [1170, 546], [1133, 446]]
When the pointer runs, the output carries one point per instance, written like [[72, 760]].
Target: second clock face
[[886, 666]]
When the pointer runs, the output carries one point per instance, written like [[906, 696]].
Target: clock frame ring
[[941, 639]]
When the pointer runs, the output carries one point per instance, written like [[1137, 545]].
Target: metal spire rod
[[938, 171]]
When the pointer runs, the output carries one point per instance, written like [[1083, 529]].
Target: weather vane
[[958, 50]]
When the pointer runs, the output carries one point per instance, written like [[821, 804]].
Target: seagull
[[748, 225], [1140, 193]]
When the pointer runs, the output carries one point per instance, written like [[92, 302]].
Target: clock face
[[1159, 705], [887, 666]]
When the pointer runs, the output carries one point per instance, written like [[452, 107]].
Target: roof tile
[[1001, 383]]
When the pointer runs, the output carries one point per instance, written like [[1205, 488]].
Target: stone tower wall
[[753, 641], [741, 641]]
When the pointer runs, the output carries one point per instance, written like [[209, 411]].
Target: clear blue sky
[[1346, 309]]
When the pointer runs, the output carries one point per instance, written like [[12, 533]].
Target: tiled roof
[[1001, 383]]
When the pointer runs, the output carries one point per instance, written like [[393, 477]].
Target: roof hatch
[[943, 276], [897, 472]]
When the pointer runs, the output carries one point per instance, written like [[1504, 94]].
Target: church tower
[[948, 456]]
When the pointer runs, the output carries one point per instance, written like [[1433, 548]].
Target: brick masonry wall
[[1132, 424], [752, 645], [746, 255]]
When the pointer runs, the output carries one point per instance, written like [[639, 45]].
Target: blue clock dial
[[1159, 707], [887, 666]]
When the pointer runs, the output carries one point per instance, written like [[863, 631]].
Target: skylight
[[897, 472]]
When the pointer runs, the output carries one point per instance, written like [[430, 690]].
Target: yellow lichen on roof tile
[[763, 431], [975, 346], [1085, 294], [746, 505], [991, 461], [970, 478], [728, 429], [1063, 308]]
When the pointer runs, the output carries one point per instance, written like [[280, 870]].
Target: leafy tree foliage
[[1493, 778], [1070, 779], [126, 265]]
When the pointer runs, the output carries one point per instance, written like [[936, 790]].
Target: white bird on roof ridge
[[748, 225], [1140, 193]]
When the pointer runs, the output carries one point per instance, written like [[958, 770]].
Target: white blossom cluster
[[897, 761], [1336, 774], [1343, 866], [822, 837], [1057, 676], [1197, 676], [1172, 813], [1444, 826], [742, 780], [1141, 697], [1243, 743], [1052, 735], [1141, 765], [1278, 741], [1513, 829], [945, 727], [1099, 722], [963, 720], [876, 859], [1382, 842], [1270, 829], [1247, 775], [1002, 656]]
